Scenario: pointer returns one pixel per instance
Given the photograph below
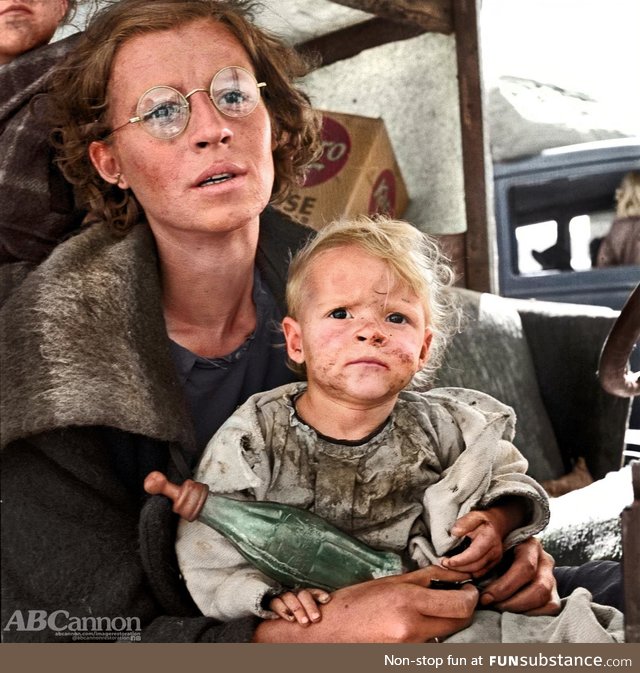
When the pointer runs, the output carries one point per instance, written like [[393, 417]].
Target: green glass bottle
[[292, 546]]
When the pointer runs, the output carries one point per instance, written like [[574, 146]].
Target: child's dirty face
[[361, 334]]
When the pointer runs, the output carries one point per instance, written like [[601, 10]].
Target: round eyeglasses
[[164, 112]]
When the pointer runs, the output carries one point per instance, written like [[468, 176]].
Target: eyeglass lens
[[164, 111]]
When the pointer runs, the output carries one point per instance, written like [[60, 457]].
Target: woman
[[129, 345], [621, 246]]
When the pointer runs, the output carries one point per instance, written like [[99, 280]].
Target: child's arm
[[222, 583], [300, 606], [486, 529]]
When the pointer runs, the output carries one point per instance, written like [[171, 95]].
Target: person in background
[[37, 207], [28, 24], [621, 245]]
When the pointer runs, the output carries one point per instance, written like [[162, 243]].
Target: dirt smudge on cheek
[[401, 356], [323, 368], [403, 368], [325, 372]]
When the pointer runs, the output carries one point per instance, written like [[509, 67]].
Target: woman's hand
[[528, 586], [399, 609]]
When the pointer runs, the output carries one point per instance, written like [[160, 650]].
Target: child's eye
[[396, 318], [339, 314]]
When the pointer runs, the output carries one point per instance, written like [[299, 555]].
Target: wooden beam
[[631, 559], [350, 41], [480, 244], [432, 15]]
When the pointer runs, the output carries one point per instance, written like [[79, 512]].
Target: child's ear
[[426, 346], [293, 337]]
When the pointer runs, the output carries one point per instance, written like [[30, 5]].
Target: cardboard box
[[356, 174]]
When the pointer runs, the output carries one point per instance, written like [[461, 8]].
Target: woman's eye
[[163, 112], [339, 314], [396, 318], [233, 100]]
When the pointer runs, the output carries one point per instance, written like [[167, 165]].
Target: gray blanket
[[37, 207], [580, 621]]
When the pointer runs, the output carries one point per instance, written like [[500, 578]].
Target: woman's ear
[[106, 163], [293, 337], [426, 347]]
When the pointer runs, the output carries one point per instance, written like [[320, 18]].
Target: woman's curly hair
[[628, 196], [79, 96]]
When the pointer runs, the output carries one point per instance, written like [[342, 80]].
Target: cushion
[[585, 524], [565, 341], [491, 354]]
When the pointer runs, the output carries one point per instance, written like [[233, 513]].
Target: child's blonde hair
[[411, 255], [628, 196]]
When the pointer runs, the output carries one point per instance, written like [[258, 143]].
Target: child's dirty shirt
[[439, 455]]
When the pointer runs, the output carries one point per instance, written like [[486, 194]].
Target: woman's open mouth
[[216, 179]]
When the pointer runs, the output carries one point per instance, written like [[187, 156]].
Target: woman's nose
[[207, 125]]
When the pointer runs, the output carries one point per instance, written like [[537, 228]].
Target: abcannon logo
[[62, 624]]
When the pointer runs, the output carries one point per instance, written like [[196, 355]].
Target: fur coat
[[621, 246], [90, 403]]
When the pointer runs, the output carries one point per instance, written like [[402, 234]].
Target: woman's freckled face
[[167, 175]]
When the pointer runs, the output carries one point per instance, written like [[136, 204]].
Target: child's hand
[[301, 606], [485, 550]]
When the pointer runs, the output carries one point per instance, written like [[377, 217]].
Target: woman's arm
[[413, 613], [397, 609]]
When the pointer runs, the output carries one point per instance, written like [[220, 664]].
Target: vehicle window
[[567, 245], [557, 223]]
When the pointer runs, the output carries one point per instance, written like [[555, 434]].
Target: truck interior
[[563, 195], [561, 199]]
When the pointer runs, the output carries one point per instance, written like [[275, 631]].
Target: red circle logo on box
[[383, 194], [336, 146]]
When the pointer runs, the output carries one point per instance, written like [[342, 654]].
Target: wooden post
[[474, 253], [481, 272], [631, 560]]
